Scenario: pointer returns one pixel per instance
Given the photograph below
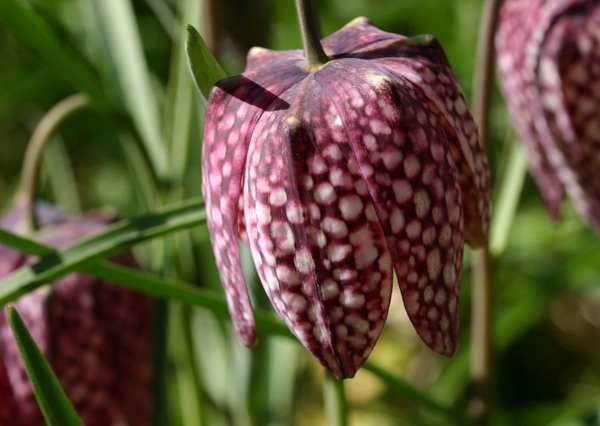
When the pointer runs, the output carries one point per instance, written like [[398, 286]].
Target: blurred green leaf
[[118, 26], [205, 68], [159, 287], [55, 405], [509, 185], [33, 32], [113, 240], [417, 395], [181, 98]]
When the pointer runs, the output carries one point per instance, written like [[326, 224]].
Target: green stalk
[[336, 406], [311, 37], [187, 373], [509, 188], [481, 348]]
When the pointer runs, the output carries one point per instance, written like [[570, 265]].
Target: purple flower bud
[[548, 54], [339, 175], [96, 337]]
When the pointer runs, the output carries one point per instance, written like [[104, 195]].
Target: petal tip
[[246, 333]]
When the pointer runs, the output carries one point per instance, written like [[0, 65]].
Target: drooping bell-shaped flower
[[338, 175], [548, 54], [97, 337]]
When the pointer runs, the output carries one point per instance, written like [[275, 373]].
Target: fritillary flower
[[96, 337], [338, 175], [548, 54]]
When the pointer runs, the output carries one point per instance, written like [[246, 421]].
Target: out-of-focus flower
[[96, 337], [338, 175], [548, 54]]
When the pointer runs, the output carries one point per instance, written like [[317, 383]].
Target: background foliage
[[138, 149]]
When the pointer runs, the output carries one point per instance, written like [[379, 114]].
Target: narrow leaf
[[205, 68], [119, 28], [171, 289], [55, 405], [159, 287], [113, 240], [32, 31]]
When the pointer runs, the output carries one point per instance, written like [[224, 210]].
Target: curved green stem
[[311, 37], [47, 126], [336, 406], [481, 348]]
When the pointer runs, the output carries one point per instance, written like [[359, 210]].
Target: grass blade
[[161, 288], [55, 405], [170, 289], [119, 28], [509, 186], [205, 68], [113, 240]]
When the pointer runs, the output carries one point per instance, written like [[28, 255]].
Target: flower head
[[548, 55], [336, 177], [96, 337]]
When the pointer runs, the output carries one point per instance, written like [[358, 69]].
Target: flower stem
[[42, 133], [311, 37], [481, 348], [336, 407]]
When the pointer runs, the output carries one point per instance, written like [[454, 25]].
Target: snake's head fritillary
[[548, 55], [97, 337], [336, 177]]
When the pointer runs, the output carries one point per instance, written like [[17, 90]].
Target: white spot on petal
[[316, 165], [350, 207], [335, 227], [287, 275], [278, 197], [391, 160], [338, 252], [325, 194], [365, 257], [263, 213], [412, 166], [359, 325], [413, 229], [397, 220], [352, 300], [422, 203], [434, 264], [304, 261], [329, 289], [402, 190], [294, 213]]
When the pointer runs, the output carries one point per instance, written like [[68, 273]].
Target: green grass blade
[[55, 405], [509, 187], [179, 111], [171, 289], [161, 288], [205, 68], [24, 245], [33, 32], [118, 26], [113, 240]]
